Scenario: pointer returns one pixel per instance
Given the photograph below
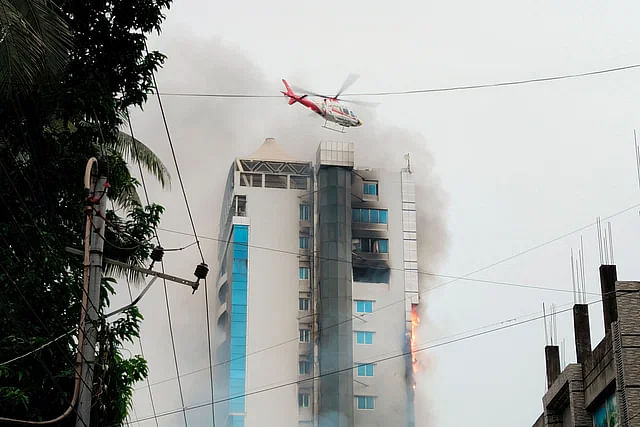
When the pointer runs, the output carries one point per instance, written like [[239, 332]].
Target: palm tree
[[35, 41], [134, 151]]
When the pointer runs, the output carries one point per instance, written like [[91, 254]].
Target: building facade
[[318, 286], [603, 388]]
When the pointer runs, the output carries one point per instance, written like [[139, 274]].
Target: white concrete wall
[[389, 382], [272, 306]]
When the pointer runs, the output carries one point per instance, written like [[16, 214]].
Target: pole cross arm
[[191, 284]]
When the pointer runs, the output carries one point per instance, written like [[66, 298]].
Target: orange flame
[[415, 321]]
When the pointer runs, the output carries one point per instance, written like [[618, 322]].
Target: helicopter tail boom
[[302, 99], [292, 96]]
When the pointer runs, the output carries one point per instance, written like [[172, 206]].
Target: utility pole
[[83, 418]]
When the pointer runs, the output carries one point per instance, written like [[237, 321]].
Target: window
[[365, 402], [371, 275], [376, 246], [364, 337], [240, 206], [305, 335], [304, 367], [303, 273], [250, 179], [303, 400], [298, 182], [304, 242], [303, 304], [275, 181], [365, 370], [371, 216], [305, 212], [364, 306], [370, 188]]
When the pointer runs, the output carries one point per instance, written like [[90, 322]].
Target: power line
[[455, 278], [195, 235], [419, 91], [47, 344], [153, 406], [164, 282], [383, 359]]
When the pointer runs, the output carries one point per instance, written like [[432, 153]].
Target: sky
[[500, 170]]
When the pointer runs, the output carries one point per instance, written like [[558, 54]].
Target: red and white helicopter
[[331, 108]]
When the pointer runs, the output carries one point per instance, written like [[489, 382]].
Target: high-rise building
[[317, 292]]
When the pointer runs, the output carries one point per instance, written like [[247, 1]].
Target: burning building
[[326, 253]]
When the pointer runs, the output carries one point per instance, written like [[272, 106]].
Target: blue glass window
[[365, 370], [364, 337], [305, 212], [383, 246], [304, 242], [303, 273], [238, 328], [303, 400], [303, 304], [365, 402], [305, 335], [370, 188], [372, 216], [304, 367], [364, 306]]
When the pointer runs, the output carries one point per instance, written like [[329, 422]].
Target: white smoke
[[209, 133]]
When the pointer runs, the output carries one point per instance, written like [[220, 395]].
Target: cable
[[47, 344], [164, 282], [173, 343], [384, 359], [153, 406], [426, 273], [195, 234], [417, 91], [175, 162], [421, 293]]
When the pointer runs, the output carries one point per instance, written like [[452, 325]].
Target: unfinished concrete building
[[603, 388]]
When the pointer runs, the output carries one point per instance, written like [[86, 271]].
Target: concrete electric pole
[[83, 417]]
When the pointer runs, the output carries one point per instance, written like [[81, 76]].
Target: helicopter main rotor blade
[[363, 103], [307, 92], [351, 79]]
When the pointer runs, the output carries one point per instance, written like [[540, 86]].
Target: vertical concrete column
[[582, 332], [335, 301], [626, 345], [608, 278], [552, 359]]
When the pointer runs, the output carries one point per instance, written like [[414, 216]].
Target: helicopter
[[331, 108]]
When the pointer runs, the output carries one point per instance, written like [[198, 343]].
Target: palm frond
[[128, 196], [21, 50], [55, 34], [34, 41], [134, 150]]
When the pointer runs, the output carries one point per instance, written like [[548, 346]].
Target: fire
[[415, 321]]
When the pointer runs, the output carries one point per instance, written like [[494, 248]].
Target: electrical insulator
[[157, 253], [201, 272]]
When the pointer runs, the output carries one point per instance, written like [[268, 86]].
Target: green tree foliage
[[62, 100]]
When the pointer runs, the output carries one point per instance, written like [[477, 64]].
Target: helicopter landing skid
[[327, 126]]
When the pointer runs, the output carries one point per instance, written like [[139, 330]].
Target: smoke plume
[[209, 133]]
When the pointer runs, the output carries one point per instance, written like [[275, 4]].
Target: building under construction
[[603, 388]]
